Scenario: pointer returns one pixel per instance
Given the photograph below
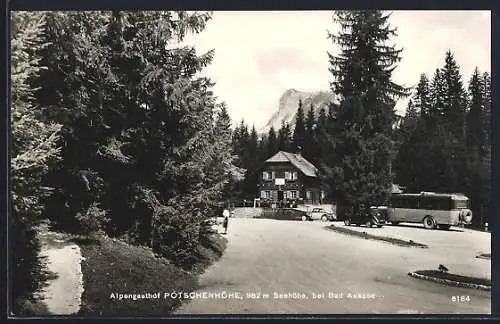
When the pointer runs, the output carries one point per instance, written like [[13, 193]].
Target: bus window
[[395, 202], [413, 203], [435, 203], [461, 204], [427, 203]]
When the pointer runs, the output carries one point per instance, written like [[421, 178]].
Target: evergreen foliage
[[34, 148], [358, 167]]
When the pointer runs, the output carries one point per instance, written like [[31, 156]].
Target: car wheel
[[394, 223], [369, 223], [379, 226], [304, 218], [429, 222], [324, 218], [347, 222]]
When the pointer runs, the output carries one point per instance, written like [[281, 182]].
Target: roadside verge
[[367, 236]]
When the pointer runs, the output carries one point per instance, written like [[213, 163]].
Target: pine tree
[[252, 144], [272, 143], [144, 124], [486, 159], [475, 143], [422, 97], [284, 137], [309, 146], [262, 149], [455, 103], [72, 91], [409, 155], [487, 109], [438, 97], [358, 169], [321, 121], [320, 138], [243, 139], [34, 148], [223, 135], [299, 134], [475, 138], [252, 164]]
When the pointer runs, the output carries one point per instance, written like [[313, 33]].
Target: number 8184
[[460, 299]]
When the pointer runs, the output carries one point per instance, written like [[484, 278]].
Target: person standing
[[226, 220]]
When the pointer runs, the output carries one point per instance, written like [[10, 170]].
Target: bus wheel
[[429, 222]]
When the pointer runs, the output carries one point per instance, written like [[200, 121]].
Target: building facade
[[288, 179]]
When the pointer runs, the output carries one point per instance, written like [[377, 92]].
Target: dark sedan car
[[373, 216]]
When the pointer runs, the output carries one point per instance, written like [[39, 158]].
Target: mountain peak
[[289, 103]]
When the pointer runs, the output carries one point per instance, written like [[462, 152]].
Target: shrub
[[93, 220]]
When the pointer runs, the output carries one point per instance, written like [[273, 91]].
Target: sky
[[261, 54]]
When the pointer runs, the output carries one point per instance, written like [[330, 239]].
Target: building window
[[265, 175], [262, 194], [294, 194], [273, 175], [268, 194], [308, 194], [322, 194], [287, 175], [294, 175]]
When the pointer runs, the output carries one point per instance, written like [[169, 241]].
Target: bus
[[431, 209]]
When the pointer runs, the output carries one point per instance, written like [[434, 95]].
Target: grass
[[114, 267], [367, 236], [454, 277]]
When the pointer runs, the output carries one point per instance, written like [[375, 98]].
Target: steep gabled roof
[[306, 167]]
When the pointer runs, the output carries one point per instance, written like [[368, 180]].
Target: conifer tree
[[252, 164], [486, 160], [455, 100], [422, 98], [299, 134], [487, 109], [437, 95], [141, 123], [34, 147], [475, 133], [284, 137], [358, 170], [272, 143]]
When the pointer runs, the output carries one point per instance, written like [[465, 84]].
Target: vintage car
[[318, 213], [373, 216]]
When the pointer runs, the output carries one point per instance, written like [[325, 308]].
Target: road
[[304, 259]]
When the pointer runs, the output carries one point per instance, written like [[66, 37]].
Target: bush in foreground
[[112, 266]]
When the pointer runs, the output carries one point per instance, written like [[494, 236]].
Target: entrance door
[[280, 195]]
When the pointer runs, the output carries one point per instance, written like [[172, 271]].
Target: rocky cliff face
[[289, 103]]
